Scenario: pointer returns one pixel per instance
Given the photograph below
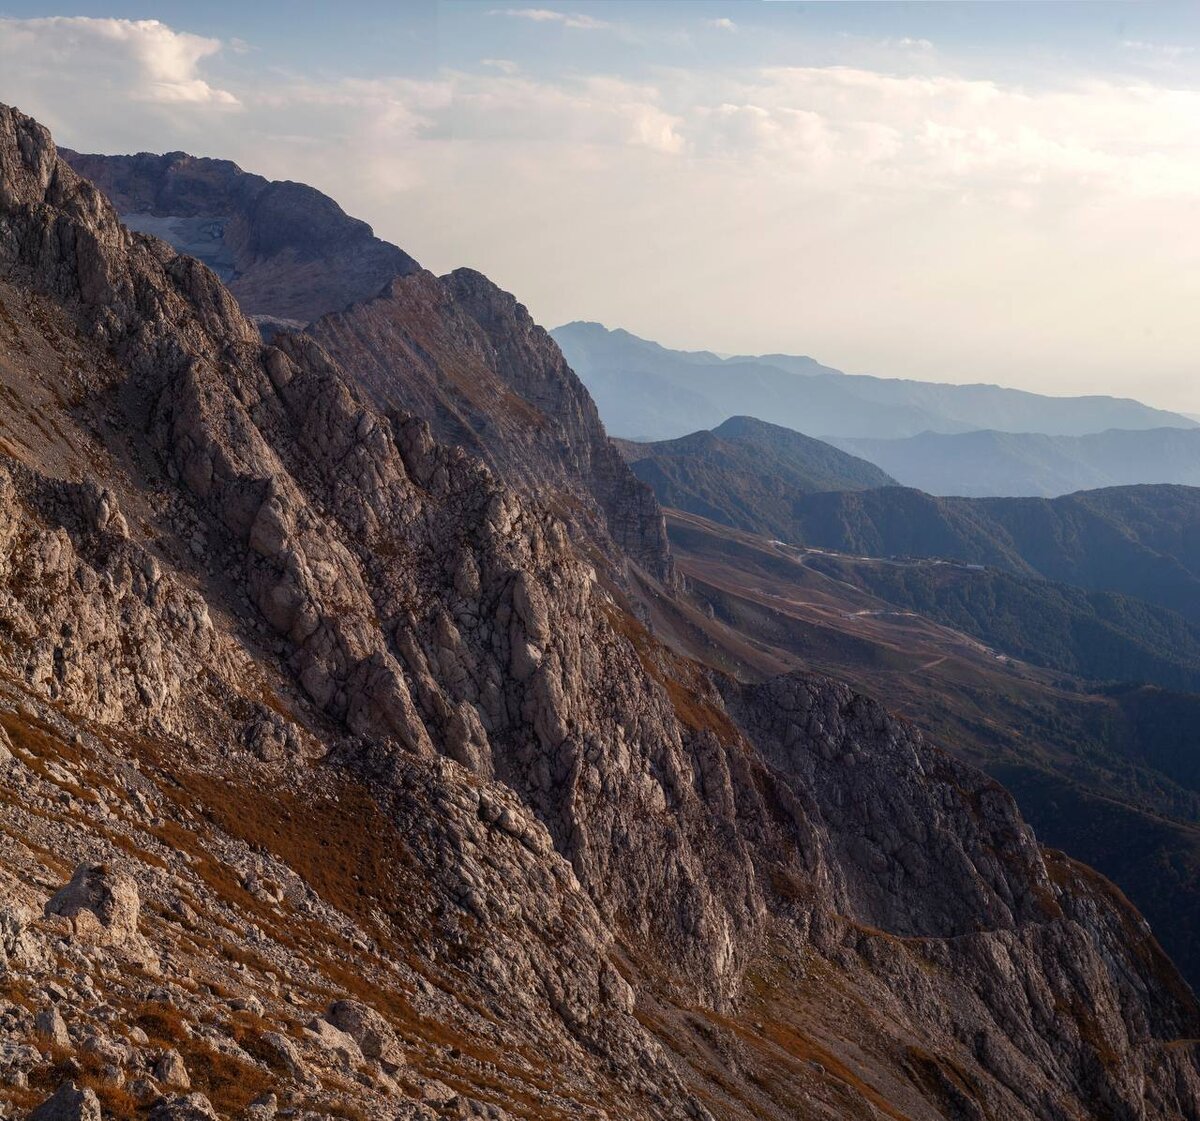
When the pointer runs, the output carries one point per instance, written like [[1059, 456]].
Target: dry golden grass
[[163, 1023], [231, 1084]]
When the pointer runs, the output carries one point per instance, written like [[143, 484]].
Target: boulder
[[372, 1033], [336, 1042], [49, 1024], [263, 1108], [283, 1054], [171, 1072], [101, 905], [13, 922], [68, 1103], [190, 1107]]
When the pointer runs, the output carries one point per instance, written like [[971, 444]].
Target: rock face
[[457, 351], [286, 251], [464, 354], [390, 738]]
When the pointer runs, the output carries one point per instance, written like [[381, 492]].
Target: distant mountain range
[[1048, 581], [747, 473], [648, 392], [991, 463]]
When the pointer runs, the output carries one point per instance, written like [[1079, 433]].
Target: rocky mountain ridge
[[337, 684], [464, 354], [286, 251], [456, 350]]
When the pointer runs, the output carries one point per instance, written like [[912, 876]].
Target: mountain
[[1138, 541], [335, 783], [990, 463], [456, 350], [1095, 635], [1109, 772], [745, 471], [648, 392], [1141, 542], [468, 357], [285, 250]]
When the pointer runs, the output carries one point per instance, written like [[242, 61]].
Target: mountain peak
[[251, 230]]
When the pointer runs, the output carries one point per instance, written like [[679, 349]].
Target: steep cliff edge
[[469, 358], [457, 351], [335, 685]]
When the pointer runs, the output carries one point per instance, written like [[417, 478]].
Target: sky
[[1005, 192]]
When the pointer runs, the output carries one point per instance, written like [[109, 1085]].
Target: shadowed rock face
[[468, 357], [342, 688], [286, 251]]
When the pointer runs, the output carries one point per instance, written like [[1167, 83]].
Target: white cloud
[[598, 111], [576, 20], [155, 62], [1170, 51], [874, 130], [722, 24]]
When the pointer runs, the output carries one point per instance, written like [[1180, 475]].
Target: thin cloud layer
[[547, 15], [917, 224]]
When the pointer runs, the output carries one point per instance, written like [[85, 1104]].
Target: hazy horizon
[[944, 192]]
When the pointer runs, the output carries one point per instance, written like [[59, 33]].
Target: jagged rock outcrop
[[935, 854], [514, 840], [531, 365]]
